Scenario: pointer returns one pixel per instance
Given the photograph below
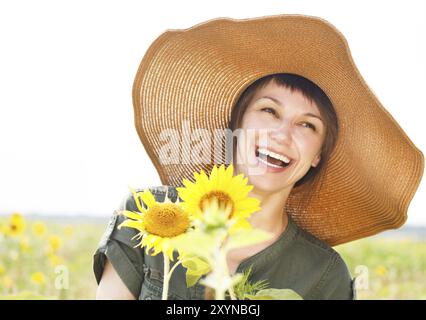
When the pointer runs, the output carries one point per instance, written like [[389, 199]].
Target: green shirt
[[296, 260]]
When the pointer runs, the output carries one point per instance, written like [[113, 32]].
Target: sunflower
[[38, 278], [231, 193], [39, 229], [55, 242], [16, 225], [158, 224]]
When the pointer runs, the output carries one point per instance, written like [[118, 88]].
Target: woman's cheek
[[249, 123], [257, 128]]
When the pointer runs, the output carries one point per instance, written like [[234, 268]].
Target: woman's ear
[[316, 161]]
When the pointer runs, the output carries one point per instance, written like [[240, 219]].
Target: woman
[[318, 161], [301, 126]]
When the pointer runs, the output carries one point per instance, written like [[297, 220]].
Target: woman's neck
[[272, 217]]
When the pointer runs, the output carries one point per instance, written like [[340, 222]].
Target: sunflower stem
[[220, 295], [166, 277], [226, 272], [174, 267]]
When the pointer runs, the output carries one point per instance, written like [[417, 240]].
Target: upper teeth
[[273, 155]]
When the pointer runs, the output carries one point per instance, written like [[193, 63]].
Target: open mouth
[[272, 159]]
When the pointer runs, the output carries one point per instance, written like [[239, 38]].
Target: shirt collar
[[272, 252]]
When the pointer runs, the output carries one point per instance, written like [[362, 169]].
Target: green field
[[389, 268]]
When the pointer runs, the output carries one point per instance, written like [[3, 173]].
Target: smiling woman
[[313, 140], [300, 130]]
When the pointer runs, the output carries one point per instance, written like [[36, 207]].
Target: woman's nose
[[281, 135]]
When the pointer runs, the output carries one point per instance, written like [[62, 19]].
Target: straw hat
[[192, 78]]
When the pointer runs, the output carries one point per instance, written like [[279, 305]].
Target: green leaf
[[236, 278], [245, 286], [195, 243], [243, 238], [191, 279], [274, 294], [196, 265]]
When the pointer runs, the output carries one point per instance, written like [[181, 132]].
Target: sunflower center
[[166, 220], [223, 199]]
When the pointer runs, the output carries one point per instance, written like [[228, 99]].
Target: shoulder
[[333, 279], [312, 243], [159, 192]]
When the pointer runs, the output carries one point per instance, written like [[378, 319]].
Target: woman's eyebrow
[[308, 114]]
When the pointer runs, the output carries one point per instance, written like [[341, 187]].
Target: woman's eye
[[269, 110], [309, 125], [273, 112]]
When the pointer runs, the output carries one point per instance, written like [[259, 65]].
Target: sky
[[68, 145]]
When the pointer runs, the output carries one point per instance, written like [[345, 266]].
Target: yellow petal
[[187, 183], [205, 182], [230, 171], [135, 197], [148, 198], [132, 224], [221, 175], [170, 253], [213, 177], [131, 214]]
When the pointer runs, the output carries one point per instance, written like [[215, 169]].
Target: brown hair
[[309, 90]]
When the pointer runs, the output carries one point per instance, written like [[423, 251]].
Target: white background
[[68, 144]]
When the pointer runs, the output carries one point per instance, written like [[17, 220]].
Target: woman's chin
[[264, 185]]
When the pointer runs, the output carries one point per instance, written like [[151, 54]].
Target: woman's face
[[285, 123]]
